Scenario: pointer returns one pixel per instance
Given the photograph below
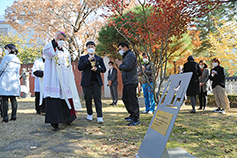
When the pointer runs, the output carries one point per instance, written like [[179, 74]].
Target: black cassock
[[57, 111]]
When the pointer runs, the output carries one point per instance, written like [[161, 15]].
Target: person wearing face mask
[[112, 79], [9, 81], [147, 90], [38, 73], [60, 92], [91, 80], [218, 86], [193, 87], [203, 84], [130, 82]]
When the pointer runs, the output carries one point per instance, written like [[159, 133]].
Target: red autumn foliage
[[162, 19]]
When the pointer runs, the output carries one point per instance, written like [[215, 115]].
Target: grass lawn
[[205, 134]]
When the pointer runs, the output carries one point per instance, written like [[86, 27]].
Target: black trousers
[[5, 105], [202, 99], [94, 89], [130, 101], [39, 108], [114, 93]]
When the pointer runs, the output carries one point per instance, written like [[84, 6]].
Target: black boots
[[5, 119], [13, 118]]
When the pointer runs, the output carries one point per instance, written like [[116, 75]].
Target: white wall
[[106, 88]]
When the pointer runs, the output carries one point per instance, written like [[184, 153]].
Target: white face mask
[[121, 52], [6, 52], [201, 66], [90, 50], [110, 67], [214, 64], [145, 60], [61, 43]]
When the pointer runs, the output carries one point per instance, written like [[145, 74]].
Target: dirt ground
[[30, 137]]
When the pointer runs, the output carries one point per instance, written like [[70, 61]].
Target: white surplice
[[59, 79], [38, 65], [39, 81]]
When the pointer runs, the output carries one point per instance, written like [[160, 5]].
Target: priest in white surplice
[[60, 92]]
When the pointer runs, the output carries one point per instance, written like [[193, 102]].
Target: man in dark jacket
[[193, 88], [91, 66], [147, 89], [130, 82], [112, 79]]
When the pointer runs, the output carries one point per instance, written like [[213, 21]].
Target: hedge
[[211, 101]]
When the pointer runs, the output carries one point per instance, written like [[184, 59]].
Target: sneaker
[[100, 120], [217, 110], [222, 111], [150, 112], [145, 112], [128, 118], [89, 117], [133, 123]]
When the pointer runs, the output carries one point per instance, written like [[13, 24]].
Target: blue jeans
[[149, 97]]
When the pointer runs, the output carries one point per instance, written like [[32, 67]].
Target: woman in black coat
[[193, 88]]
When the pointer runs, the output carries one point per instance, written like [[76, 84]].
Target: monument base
[[173, 153], [141, 101]]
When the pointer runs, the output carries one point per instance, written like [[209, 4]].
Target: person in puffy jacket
[[9, 81], [130, 82]]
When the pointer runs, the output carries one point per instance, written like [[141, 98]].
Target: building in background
[[6, 29]]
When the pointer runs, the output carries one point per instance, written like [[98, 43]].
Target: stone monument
[[25, 87], [157, 135]]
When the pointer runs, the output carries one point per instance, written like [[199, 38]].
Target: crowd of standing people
[[56, 94], [200, 84]]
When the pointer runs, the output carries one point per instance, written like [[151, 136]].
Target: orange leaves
[[48, 16]]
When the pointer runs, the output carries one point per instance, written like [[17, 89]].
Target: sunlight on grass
[[204, 134]]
